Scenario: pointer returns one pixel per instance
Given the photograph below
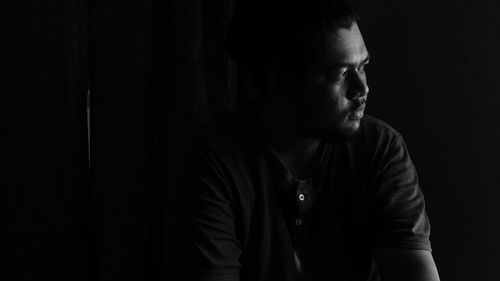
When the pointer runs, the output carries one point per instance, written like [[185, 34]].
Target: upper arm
[[209, 244], [397, 213], [400, 228], [405, 264]]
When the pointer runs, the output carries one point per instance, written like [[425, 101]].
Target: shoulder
[[229, 136], [374, 145], [376, 135], [372, 127]]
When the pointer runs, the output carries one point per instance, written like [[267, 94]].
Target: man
[[301, 185]]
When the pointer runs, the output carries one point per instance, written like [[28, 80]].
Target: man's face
[[334, 89]]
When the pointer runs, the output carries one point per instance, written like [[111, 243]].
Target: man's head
[[310, 52], [333, 92]]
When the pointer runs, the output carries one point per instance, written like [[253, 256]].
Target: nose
[[358, 87]]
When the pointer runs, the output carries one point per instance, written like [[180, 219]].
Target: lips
[[358, 113]]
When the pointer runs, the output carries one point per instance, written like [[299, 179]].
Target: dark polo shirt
[[244, 217]]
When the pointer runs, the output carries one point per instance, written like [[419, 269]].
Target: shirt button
[[298, 222], [302, 197]]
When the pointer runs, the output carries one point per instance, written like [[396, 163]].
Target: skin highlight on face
[[334, 90]]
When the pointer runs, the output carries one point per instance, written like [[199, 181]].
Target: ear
[[281, 84]]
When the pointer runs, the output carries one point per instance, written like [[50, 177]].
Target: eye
[[363, 66], [339, 73]]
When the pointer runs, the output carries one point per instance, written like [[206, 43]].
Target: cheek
[[331, 100], [322, 105], [323, 99]]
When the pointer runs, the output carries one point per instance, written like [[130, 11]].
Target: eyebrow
[[347, 64]]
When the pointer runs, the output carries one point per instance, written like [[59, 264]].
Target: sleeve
[[209, 247], [397, 213]]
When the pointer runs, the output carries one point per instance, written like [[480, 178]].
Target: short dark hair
[[266, 32]]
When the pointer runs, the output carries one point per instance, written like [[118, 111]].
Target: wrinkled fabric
[[240, 206]]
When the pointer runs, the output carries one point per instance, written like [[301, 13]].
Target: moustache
[[358, 103]]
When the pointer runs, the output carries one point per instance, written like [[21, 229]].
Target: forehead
[[341, 45]]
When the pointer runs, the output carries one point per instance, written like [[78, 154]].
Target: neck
[[279, 122]]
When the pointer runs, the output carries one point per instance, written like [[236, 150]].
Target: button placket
[[302, 195]]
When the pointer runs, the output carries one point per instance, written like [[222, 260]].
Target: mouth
[[358, 113]]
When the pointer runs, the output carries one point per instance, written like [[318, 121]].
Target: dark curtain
[[156, 70], [44, 190]]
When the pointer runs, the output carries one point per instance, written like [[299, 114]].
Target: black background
[[433, 77]]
